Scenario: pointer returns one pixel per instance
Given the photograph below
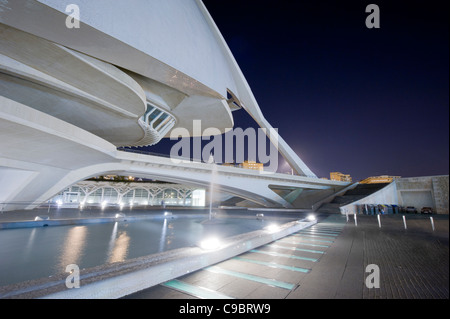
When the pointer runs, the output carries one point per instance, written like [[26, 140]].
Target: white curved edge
[[250, 104]]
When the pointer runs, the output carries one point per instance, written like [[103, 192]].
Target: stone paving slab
[[260, 270], [325, 277], [161, 292]]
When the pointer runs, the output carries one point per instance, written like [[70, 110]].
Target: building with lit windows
[[252, 165], [338, 176], [379, 179]]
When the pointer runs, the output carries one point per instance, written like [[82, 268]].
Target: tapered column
[[285, 150]]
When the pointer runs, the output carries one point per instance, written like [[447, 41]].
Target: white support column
[[249, 103], [285, 150], [164, 122], [118, 198], [167, 127], [155, 119], [148, 114]]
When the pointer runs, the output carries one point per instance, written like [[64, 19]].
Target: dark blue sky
[[347, 98]]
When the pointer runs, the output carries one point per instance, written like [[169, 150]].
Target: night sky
[[346, 98]]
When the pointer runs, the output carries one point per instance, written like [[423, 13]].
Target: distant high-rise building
[[338, 176], [229, 164], [379, 179], [252, 165]]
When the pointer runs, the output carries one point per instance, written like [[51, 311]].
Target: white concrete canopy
[[70, 96], [173, 42]]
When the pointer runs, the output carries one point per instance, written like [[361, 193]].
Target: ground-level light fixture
[[311, 217], [211, 243], [272, 228]]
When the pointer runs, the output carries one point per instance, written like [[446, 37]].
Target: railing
[[247, 173], [240, 171], [22, 205], [137, 151], [156, 123]]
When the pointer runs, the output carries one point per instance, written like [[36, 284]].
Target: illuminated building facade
[[379, 179], [338, 176]]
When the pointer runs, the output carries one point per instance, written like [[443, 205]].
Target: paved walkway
[[328, 261]]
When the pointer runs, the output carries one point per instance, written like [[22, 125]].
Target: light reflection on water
[[118, 245], [162, 240], [120, 250], [32, 253], [73, 246]]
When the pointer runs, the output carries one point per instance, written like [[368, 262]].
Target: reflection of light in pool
[[30, 242], [163, 235], [120, 249], [73, 246], [112, 238], [170, 236], [51, 249], [118, 246]]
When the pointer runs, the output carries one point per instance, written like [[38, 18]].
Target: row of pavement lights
[[271, 271]]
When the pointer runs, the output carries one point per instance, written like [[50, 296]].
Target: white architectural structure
[[132, 72], [120, 194]]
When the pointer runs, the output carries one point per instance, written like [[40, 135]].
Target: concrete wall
[[424, 191], [419, 192], [386, 196]]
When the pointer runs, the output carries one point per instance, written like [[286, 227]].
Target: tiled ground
[[328, 260], [272, 271]]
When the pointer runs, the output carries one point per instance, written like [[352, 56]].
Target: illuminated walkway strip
[[323, 232], [267, 281], [316, 230], [196, 291], [327, 229], [312, 232], [275, 254], [310, 239], [321, 225], [314, 236], [297, 249], [295, 242], [318, 234], [273, 265]]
